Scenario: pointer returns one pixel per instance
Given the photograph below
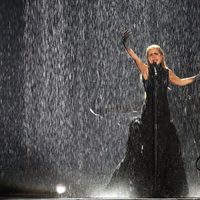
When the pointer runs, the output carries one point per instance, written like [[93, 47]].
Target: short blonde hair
[[155, 46]]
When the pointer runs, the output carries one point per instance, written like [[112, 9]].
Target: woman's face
[[154, 56]]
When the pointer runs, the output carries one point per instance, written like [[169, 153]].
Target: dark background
[[60, 59]]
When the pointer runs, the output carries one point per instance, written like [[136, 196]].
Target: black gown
[[153, 165]]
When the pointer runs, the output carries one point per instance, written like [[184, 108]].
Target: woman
[[153, 165]]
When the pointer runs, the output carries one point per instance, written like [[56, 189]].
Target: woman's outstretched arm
[[182, 81], [143, 68]]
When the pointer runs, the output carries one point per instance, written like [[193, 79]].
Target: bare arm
[[143, 68], [181, 81]]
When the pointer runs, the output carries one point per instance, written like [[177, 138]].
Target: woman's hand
[[197, 77], [126, 38]]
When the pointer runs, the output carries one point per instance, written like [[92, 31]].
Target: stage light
[[60, 188]]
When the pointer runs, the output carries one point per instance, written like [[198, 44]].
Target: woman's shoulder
[[167, 68]]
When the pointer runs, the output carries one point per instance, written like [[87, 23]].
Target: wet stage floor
[[185, 198]]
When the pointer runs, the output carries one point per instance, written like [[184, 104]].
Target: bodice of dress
[[156, 103]]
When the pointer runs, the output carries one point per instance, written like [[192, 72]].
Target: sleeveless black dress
[[153, 166]]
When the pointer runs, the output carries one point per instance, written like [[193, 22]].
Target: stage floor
[[186, 198]]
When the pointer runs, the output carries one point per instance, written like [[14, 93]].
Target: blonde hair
[[155, 46]]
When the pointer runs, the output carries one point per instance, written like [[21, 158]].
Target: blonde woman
[[153, 165]]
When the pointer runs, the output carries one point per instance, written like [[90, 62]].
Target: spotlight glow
[[114, 194], [60, 188]]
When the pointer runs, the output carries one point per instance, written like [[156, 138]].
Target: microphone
[[155, 69]]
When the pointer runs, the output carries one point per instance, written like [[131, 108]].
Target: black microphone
[[155, 68], [155, 71]]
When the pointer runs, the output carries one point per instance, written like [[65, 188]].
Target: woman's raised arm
[[143, 68]]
